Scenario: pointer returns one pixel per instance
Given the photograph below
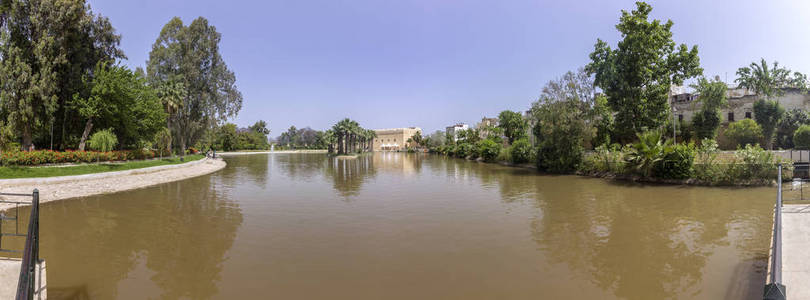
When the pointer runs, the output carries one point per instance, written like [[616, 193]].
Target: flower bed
[[41, 157]]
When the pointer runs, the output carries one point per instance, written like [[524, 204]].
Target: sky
[[433, 63]]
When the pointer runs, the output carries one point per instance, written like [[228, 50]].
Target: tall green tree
[[121, 100], [788, 125], [712, 98], [768, 113], [190, 54], [513, 124], [636, 76]]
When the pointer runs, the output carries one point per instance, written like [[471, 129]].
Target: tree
[[120, 99], [103, 140], [768, 113], [802, 137], [712, 98], [163, 141], [260, 127], [788, 125], [227, 137], [744, 132], [560, 133], [769, 82], [191, 55], [513, 124], [171, 92], [30, 58], [637, 75]]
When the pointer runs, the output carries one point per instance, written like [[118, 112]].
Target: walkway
[[10, 275], [796, 250]]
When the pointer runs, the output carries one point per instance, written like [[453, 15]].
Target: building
[[483, 127], [455, 129], [394, 139], [740, 103]]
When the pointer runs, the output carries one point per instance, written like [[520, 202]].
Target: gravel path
[[65, 187]]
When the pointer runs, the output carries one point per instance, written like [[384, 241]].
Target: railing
[[774, 289], [30, 254]]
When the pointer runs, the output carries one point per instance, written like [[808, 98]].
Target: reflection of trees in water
[[348, 174], [182, 230], [631, 244], [303, 166], [638, 242]]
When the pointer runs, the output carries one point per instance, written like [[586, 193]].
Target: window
[[680, 117], [731, 117], [748, 115]]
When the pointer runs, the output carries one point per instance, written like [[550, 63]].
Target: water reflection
[[179, 231], [403, 226]]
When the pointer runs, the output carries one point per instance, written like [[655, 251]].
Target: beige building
[[394, 139], [740, 103]]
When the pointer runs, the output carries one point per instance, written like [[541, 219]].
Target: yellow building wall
[[393, 139]]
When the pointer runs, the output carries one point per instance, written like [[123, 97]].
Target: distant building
[[485, 124], [394, 139], [740, 103], [455, 129]]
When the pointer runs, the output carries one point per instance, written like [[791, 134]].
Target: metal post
[[36, 225]]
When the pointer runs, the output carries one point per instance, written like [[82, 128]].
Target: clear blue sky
[[432, 63]]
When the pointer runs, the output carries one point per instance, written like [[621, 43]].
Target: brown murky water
[[399, 226]]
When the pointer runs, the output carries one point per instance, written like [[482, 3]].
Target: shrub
[[801, 138], [463, 150], [706, 167], [163, 140], [605, 159], [645, 154], [488, 149], [521, 151], [744, 132], [676, 162], [103, 140]]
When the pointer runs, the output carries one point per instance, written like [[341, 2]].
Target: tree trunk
[[28, 142], [87, 127], [182, 145]]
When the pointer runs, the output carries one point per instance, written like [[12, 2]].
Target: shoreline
[[75, 186], [269, 152], [630, 178]]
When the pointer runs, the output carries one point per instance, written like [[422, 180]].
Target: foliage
[[768, 113], [676, 162], [464, 150], [712, 99], [560, 126], [436, 139], [603, 120], [637, 74], [120, 99], [346, 136], [513, 124], [744, 132], [488, 149], [521, 151], [645, 154], [163, 141], [605, 159], [706, 167], [190, 55], [802, 137], [103, 140], [791, 121], [769, 82]]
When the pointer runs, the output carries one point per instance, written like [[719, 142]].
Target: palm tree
[[171, 94], [768, 82]]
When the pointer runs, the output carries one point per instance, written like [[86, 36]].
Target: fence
[[30, 253], [774, 289]]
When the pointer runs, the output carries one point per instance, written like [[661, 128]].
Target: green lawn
[[30, 172]]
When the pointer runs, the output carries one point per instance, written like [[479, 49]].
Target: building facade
[[394, 139], [740, 103], [485, 125], [455, 129]]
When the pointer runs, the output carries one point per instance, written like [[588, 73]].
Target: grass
[[53, 171]]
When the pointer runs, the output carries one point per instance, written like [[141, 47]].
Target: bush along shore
[[648, 160]]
